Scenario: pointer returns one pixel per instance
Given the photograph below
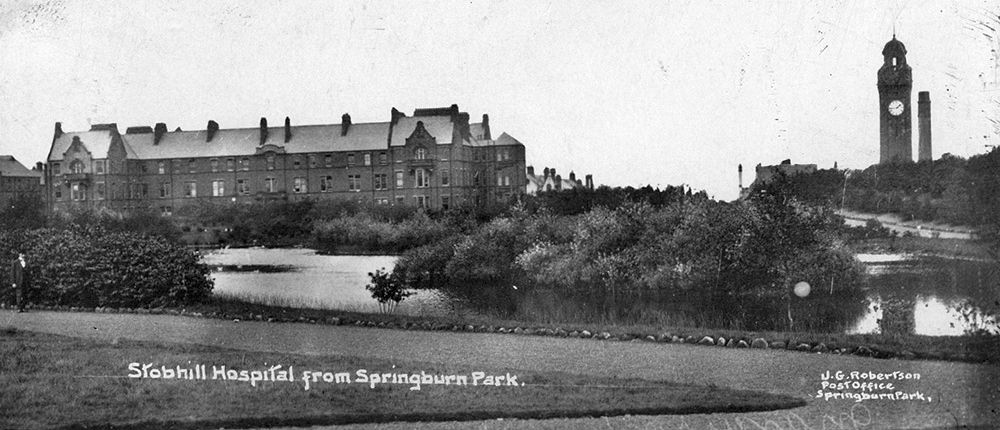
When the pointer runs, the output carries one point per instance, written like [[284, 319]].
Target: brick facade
[[434, 159]]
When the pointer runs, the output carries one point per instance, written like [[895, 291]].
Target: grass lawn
[[61, 382]]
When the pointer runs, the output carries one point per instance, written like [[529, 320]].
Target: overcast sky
[[633, 92]]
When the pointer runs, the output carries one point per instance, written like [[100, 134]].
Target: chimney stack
[[263, 130], [58, 131], [288, 129], [552, 171], [345, 123], [740, 170], [546, 173], [924, 124], [590, 182], [558, 182], [396, 115], [158, 131], [572, 176], [212, 128], [486, 127], [531, 170]]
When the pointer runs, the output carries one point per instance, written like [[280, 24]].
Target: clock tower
[[894, 86]]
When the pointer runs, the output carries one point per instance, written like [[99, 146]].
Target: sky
[[635, 93]]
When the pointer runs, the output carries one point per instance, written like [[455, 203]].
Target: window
[[399, 179], [499, 156], [143, 190], [445, 178], [506, 154], [326, 184], [499, 180], [420, 154], [328, 160], [190, 189], [420, 201], [56, 169], [300, 185], [354, 182], [399, 200], [296, 163], [445, 201], [269, 185], [420, 178], [99, 166], [368, 159], [382, 201], [215, 165], [475, 178], [165, 211], [164, 190], [506, 180], [382, 159], [76, 166], [242, 187], [218, 188], [312, 160], [381, 181], [99, 195], [77, 192], [161, 167], [142, 167], [350, 159], [245, 163], [59, 191], [191, 166], [270, 162], [230, 164]]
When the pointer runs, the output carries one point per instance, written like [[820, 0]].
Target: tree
[[387, 289]]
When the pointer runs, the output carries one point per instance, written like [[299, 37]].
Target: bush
[[93, 267]]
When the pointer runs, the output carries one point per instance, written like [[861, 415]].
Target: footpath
[[953, 394]]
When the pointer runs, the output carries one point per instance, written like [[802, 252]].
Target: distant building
[[549, 180], [895, 85], [433, 159], [17, 181], [767, 173]]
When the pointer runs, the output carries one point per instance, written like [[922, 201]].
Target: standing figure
[[18, 280]]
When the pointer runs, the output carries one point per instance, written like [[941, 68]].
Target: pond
[[930, 296], [302, 278]]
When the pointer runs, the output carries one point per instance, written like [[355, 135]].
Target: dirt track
[[961, 393]]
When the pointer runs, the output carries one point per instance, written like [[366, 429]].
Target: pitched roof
[[245, 141], [438, 126], [9, 166], [96, 141], [506, 139]]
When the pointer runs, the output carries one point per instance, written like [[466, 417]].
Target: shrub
[[92, 267]]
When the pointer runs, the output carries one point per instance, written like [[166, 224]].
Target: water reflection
[[929, 296]]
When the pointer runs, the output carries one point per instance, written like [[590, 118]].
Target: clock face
[[896, 107]]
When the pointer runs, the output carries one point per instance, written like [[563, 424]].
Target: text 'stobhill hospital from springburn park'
[[433, 159]]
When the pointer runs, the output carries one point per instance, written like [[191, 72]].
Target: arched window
[[420, 154], [76, 166]]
